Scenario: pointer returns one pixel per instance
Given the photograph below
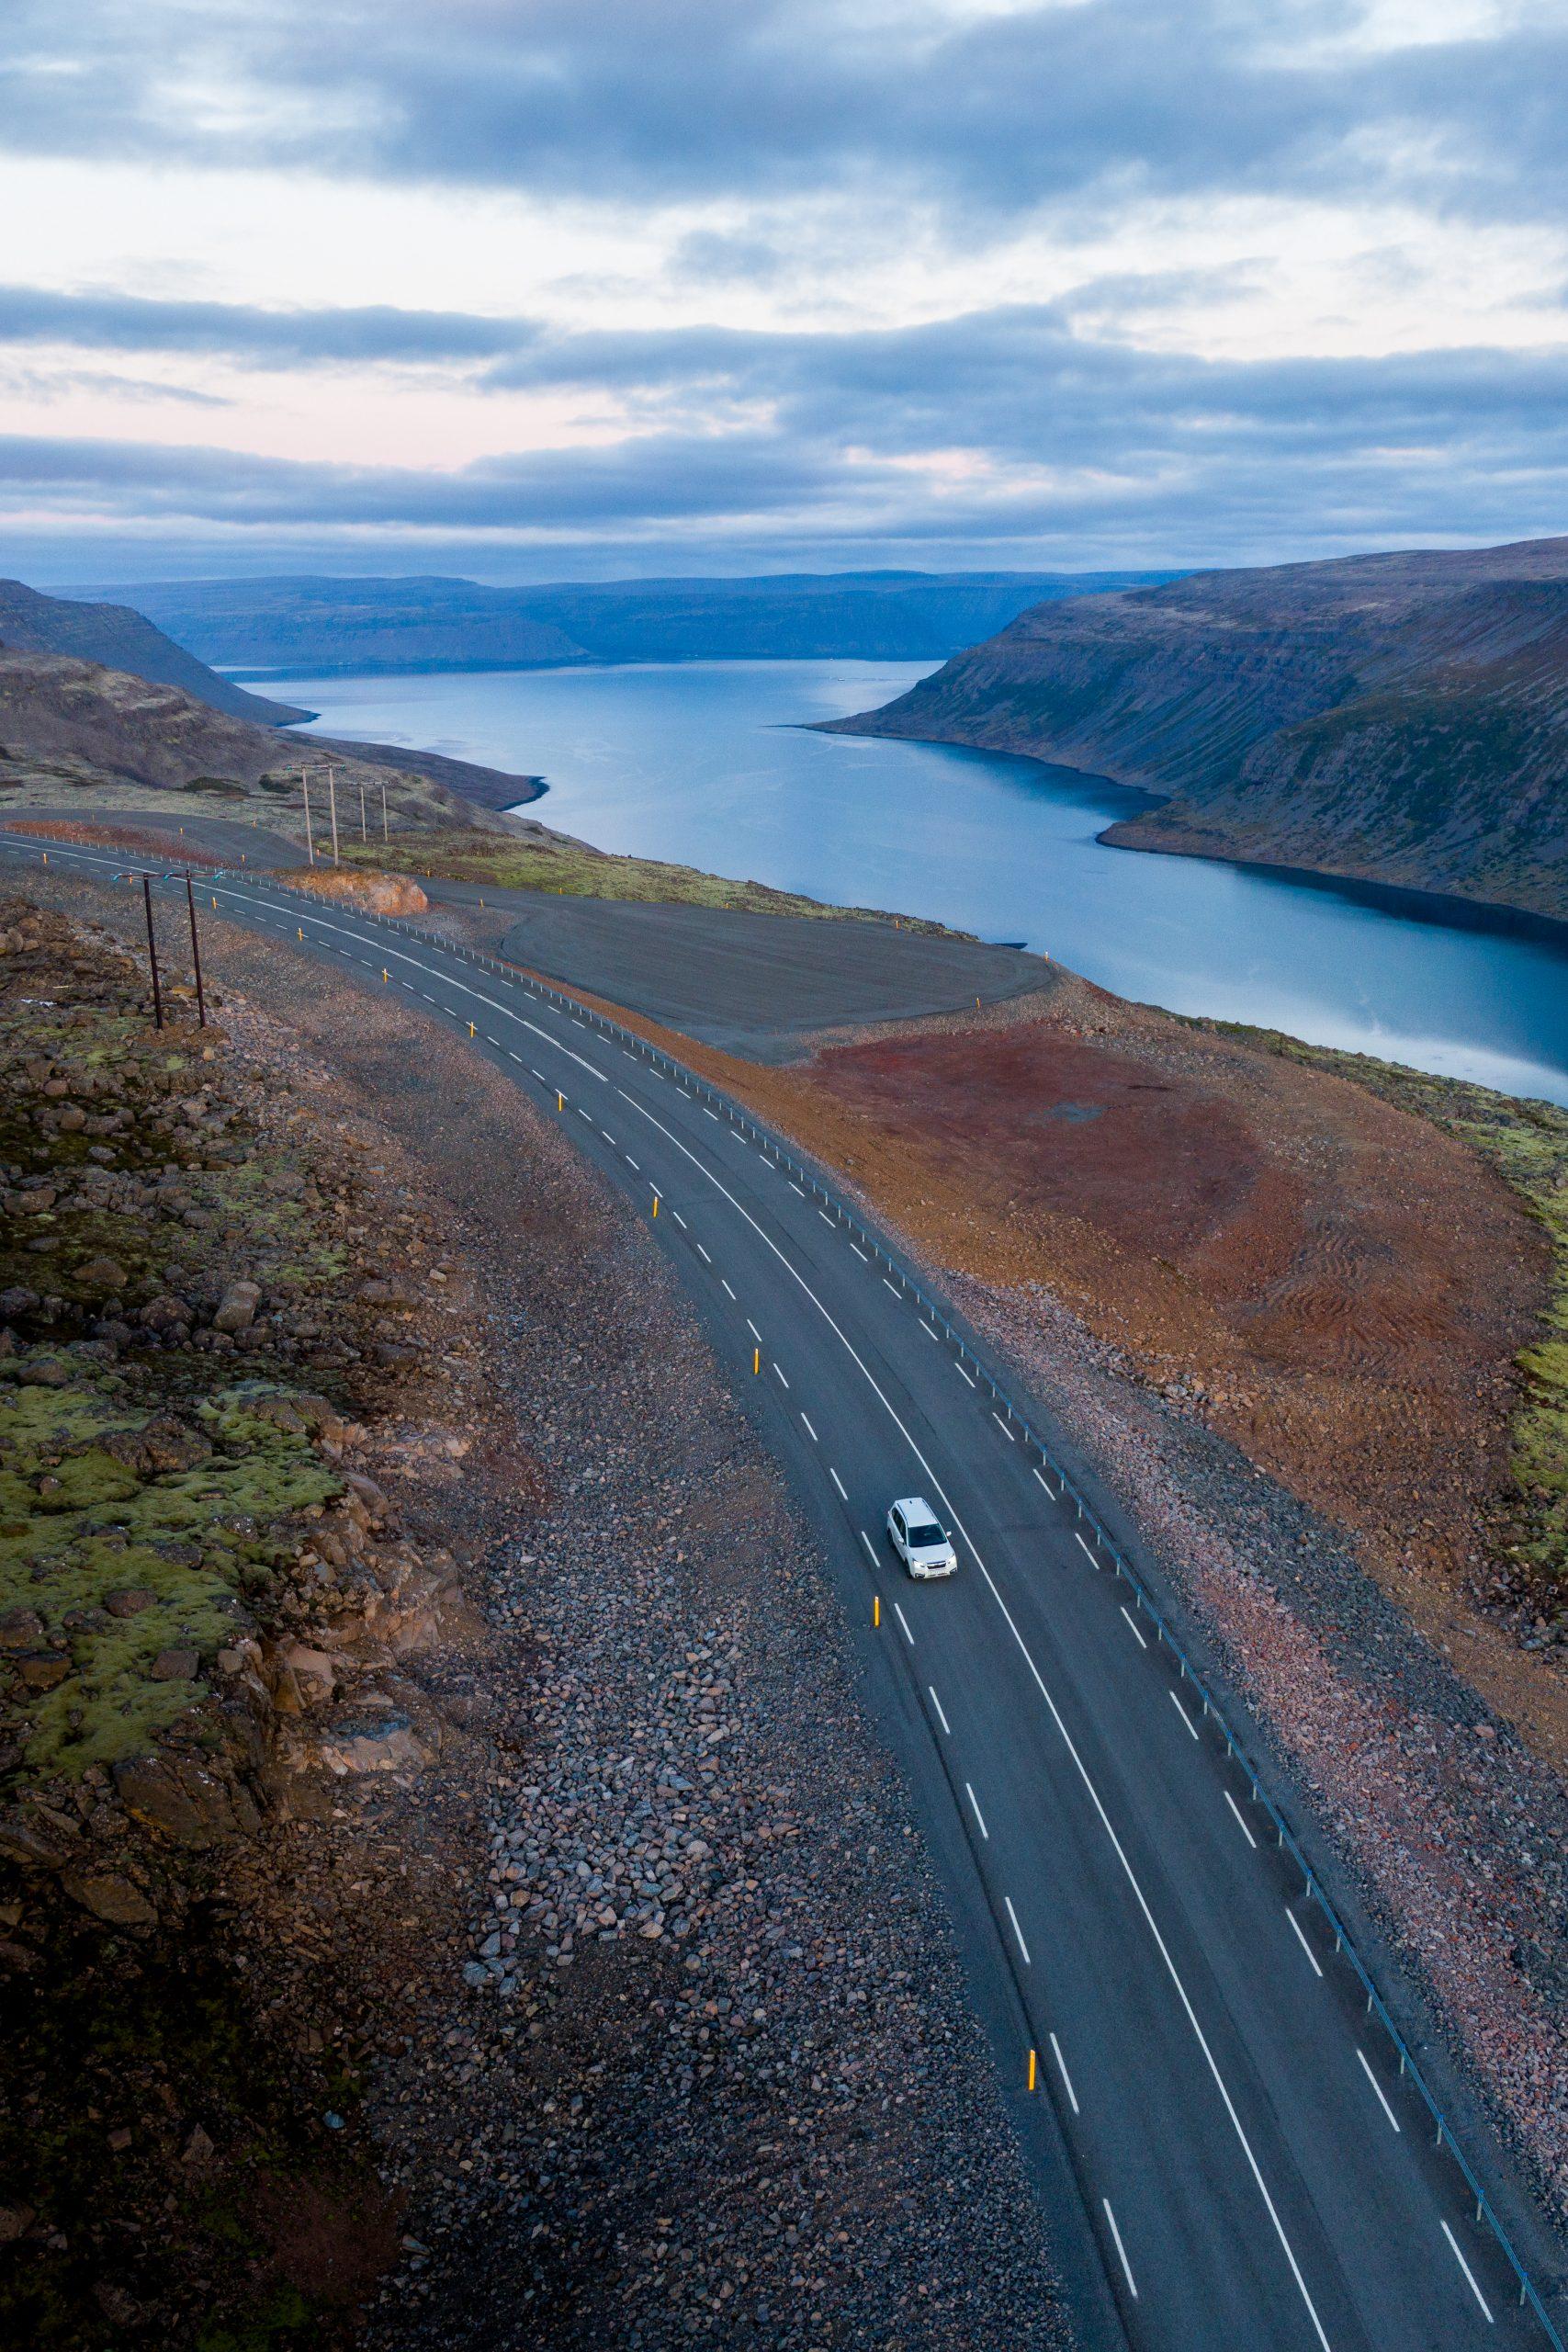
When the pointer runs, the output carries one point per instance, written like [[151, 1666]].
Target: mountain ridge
[[119, 638], [1400, 719], [321, 625]]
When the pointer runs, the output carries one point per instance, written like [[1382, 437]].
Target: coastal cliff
[[1398, 718]]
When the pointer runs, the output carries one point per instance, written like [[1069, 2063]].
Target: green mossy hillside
[[573, 870]]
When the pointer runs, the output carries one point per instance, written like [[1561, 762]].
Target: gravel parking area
[[756, 984]]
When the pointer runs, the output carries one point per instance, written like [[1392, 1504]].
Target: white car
[[917, 1538]]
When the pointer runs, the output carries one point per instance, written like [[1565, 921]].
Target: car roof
[[914, 1507]]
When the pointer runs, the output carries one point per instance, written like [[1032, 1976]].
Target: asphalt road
[[1229, 2155]]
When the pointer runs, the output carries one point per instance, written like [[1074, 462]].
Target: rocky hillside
[[122, 639], [71, 723], [1402, 718]]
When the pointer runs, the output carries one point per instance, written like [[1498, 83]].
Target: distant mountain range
[[120, 639], [1399, 719], [325, 627]]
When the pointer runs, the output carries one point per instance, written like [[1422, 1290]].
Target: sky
[[581, 288]]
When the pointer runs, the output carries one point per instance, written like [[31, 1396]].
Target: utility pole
[[385, 836], [310, 837], [195, 955], [152, 952], [332, 797], [363, 834]]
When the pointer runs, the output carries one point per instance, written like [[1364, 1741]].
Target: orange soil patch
[[1347, 1286], [1339, 1287], [147, 843], [384, 894]]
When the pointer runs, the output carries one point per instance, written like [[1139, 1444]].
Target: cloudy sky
[[556, 288]]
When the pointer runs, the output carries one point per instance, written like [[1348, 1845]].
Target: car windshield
[[928, 1538]]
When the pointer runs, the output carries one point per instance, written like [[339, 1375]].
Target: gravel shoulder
[[671, 2035]]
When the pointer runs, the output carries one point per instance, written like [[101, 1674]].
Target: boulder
[[21, 1629], [237, 1309], [111, 1895], [163, 1443], [379, 1743], [129, 1602], [183, 1800], [175, 1666], [104, 1277]]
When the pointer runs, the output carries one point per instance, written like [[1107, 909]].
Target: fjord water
[[707, 762]]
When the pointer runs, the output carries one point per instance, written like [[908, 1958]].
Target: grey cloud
[[1095, 453], [110, 322], [1081, 104]]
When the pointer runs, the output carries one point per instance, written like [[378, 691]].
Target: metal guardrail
[[1068, 1490]]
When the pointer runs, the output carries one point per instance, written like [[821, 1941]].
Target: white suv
[[918, 1539]]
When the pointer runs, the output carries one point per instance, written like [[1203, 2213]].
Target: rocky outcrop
[[1401, 719]]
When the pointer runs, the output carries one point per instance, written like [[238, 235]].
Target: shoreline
[[1440, 908]]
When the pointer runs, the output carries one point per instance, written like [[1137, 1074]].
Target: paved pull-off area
[[754, 984], [1231, 2154]]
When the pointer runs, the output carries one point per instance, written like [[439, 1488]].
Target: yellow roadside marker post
[[1031, 2070], [876, 1609], [470, 1028], [655, 1205], [385, 974], [756, 1359], [560, 1102]]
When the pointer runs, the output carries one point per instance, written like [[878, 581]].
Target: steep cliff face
[[122, 639], [1401, 719]]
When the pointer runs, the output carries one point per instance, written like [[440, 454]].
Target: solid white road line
[[1126, 2266], [844, 1490], [1183, 1713], [1303, 1941], [978, 1814], [810, 1431], [1241, 1822], [1377, 2086], [941, 1718], [904, 1621], [1089, 1787], [1485, 2306], [1017, 1931], [1133, 1631], [1062, 2070]]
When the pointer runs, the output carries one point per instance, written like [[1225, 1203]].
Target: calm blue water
[[704, 763]]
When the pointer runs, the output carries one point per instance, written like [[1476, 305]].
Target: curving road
[[1230, 2154]]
